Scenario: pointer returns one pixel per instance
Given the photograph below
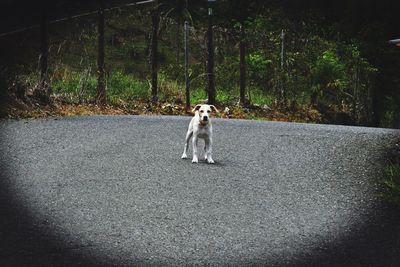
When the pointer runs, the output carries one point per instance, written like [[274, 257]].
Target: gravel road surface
[[113, 191]]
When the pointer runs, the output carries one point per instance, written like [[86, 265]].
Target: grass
[[126, 87], [198, 95], [74, 92], [391, 192], [260, 98], [82, 86]]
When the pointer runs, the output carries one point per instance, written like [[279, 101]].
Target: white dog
[[200, 127]]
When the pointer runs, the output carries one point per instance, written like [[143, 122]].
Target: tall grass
[[259, 97], [126, 87], [80, 86], [73, 85]]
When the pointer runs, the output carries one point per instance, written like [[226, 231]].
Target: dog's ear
[[214, 108], [197, 107]]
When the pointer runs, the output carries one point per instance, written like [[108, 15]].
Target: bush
[[328, 76]]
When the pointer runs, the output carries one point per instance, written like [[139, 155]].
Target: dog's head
[[204, 112]]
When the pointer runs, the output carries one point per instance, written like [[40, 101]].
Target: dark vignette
[[25, 241]]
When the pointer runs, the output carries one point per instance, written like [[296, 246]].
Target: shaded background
[[349, 32]]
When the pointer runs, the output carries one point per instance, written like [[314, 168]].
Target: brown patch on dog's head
[[197, 107], [204, 112], [206, 108], [214, 108]]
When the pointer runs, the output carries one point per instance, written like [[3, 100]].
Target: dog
[[200, 127]]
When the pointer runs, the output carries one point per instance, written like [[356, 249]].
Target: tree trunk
[[42, 91], [187, 90], [44, 50], [101, 85], [377, 97], [314, 99], [153, 54], [210, 61], [178, 41], [242, 82], [282, 93]]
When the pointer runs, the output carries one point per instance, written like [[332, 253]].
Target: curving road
[[113, 191]]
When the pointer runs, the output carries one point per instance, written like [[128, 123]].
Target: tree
[[42, 91], [101, 98], [242, 64], [237, 14], [44, 49], [187, 90], [210, 60], [155, 19]]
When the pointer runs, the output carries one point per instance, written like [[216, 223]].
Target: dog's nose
[[205, 118]]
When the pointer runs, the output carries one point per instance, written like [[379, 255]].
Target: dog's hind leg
[[187, 139]]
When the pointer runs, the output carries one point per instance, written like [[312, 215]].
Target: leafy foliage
[[317, 61]]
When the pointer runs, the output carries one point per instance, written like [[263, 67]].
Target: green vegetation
[[392, 179], [315, 66]]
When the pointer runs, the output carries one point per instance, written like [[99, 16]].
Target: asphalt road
[[113, 191]]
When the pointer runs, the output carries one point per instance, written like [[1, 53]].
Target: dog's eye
[[208, 111], [201, 111]]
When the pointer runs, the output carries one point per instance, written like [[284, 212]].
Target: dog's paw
[[184, 156], [195, 160], [210, 160]]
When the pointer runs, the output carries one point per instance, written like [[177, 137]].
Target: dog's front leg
[[188, 135], [208, 148], [195, 152]]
